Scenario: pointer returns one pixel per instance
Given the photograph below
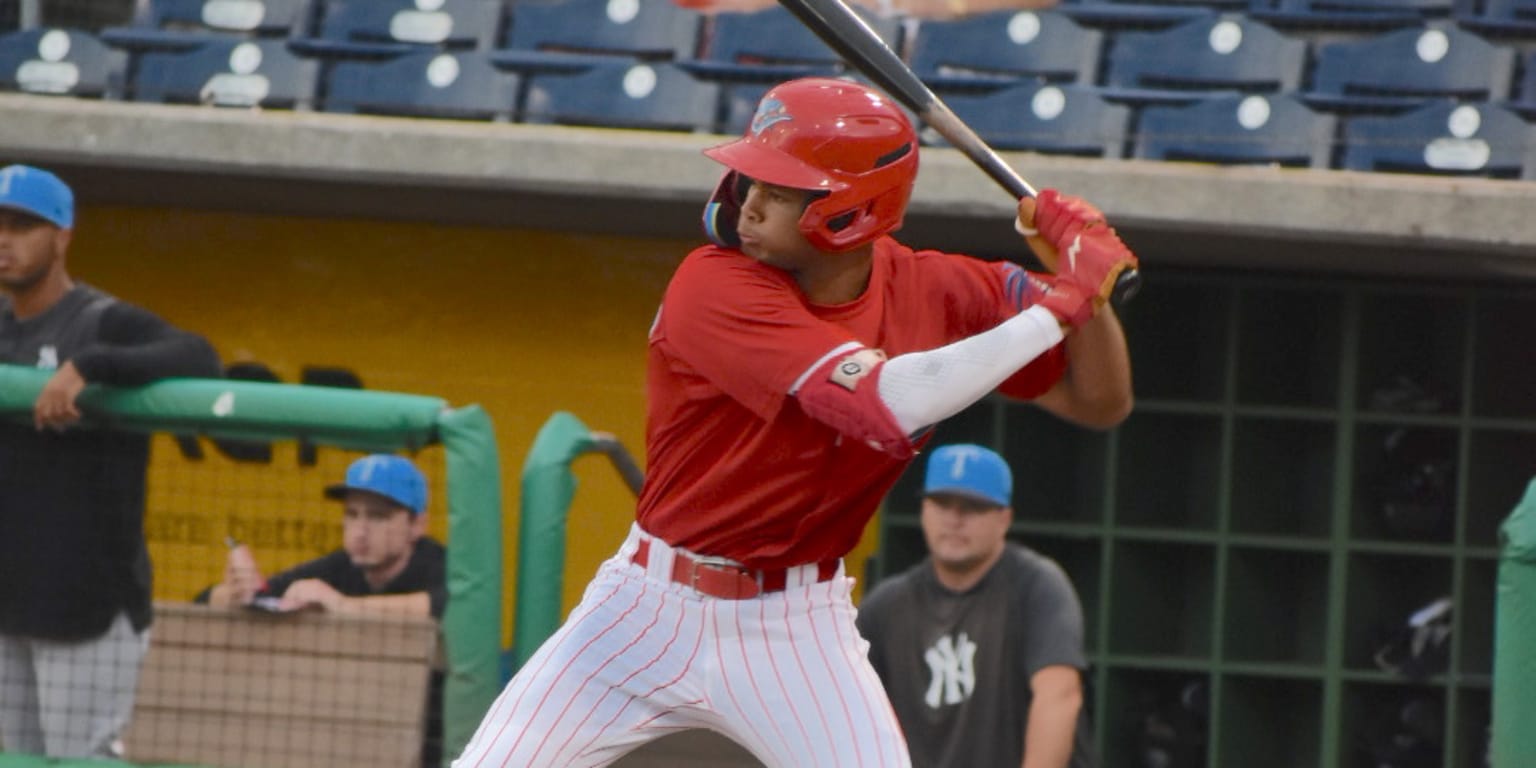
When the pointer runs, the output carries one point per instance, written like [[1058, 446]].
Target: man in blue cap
[[980, 646], [387, 563], [75, 606]]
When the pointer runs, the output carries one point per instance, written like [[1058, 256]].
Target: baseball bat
[[847, 34]]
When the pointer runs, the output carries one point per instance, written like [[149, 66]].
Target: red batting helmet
[[842, 140]]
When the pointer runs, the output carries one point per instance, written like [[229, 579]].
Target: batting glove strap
[[1068, 302]]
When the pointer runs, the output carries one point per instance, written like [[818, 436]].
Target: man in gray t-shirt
[[980, 646]]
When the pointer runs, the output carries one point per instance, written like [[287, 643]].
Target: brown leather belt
[[726, 580]]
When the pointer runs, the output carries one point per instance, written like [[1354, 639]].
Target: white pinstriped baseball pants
[[784, 674]]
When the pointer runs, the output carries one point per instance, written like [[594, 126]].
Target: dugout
[[1311, 348]]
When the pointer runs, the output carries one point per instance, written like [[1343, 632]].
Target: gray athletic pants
[[69, 699]]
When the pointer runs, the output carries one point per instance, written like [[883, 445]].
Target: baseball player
[[794, 368]]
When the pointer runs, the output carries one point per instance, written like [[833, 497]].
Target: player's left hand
[[55, 406], [311, 593]]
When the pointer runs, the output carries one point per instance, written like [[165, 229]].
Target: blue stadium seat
[[1238, 129], [1351, 15], [1407, 67], [1525, 99], [1142, 15], [57, 61], [557, 34], [227, 73], [1047, 118], [458, 84], [623, 94], [361, 28], [1498, 18], [1003, 48], [162, 24], [1444, 138], [1202, 56], [771, 45]]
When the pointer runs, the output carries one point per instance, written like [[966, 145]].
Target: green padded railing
[[353, 420]]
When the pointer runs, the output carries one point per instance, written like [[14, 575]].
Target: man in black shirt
[[387, 563], [980, 646], [75, 592]]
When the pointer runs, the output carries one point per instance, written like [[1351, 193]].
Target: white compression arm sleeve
[[923, 388]]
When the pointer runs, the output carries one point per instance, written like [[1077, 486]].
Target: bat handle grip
[[1126, 286]]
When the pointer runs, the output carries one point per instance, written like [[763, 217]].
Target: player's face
[[962, 533], [769, 226], [377, 533], [29, 248]]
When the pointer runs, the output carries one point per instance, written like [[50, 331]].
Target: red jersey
[[734, 467]]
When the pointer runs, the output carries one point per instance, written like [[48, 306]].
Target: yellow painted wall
[[523, 323]]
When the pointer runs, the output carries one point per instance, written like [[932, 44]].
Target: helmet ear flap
[[724, 208]]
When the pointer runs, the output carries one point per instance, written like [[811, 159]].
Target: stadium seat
[[771, 45], [1408, 67], [1046, 118], [226, 73], [66, 62], [1002, 48], [1525, 99], [623, 94], [461, 84], [1238, 129], [1498, 18], [557, 34], [1202, 56], [361, 28], [1441, 138], [1141, 15], [161, 24], [1349, 15]]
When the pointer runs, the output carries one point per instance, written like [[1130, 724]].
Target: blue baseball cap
[[970, 471], [39, 193], [389, 476]]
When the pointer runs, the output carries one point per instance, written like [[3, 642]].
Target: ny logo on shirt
[[952, 661], [48, 357]]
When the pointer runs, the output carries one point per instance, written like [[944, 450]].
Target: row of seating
[[1391, 70], [494, 23], [1443, 137]]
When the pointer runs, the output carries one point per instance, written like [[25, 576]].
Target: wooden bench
[[235, 688]]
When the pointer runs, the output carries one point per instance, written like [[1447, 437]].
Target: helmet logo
[[769, 112]]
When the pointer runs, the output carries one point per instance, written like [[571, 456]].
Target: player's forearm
[[923, 388], [1049, 734], [1096, 389], [409, 604]]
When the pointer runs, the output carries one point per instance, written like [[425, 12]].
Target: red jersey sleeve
[[743, 326]]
